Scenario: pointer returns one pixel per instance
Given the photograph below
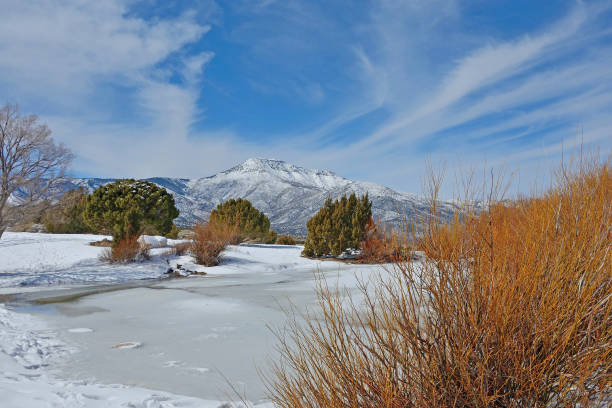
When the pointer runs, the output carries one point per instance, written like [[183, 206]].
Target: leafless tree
[[31, 164]]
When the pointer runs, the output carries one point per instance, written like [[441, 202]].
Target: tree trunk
[[3, 226]]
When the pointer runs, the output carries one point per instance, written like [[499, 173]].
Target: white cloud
[[75, 43], [103, 79]]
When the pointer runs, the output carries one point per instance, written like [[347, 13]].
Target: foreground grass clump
[[208, 241], [513, 308]]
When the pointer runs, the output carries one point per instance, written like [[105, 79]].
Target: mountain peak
[[262, 165]]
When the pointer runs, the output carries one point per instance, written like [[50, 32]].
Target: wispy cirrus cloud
[[503, 101]]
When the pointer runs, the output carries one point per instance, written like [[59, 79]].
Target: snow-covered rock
[[154, 241]]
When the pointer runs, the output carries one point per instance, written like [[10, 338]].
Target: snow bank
[[33, 260], [41, 260]]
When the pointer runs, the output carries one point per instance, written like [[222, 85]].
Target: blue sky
[[368, 89]]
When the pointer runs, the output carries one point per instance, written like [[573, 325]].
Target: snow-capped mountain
[[289, 195]]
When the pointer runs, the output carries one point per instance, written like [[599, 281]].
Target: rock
[[153, 241]]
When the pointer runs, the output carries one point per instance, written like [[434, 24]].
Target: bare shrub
[[209, 241], [32, 165], [181, 248], [512, 308], [285, 240], [382, 244], [126, 250]]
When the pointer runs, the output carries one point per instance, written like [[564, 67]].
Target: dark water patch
[[74, 311], [36, 309]]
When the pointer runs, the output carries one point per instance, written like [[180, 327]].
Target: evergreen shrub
[[339, 225], [246, 221], [285, 240], [128, 207]]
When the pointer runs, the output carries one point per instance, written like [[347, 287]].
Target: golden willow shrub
[[208, 241], [383, 243], [126, 250], [512, 308]]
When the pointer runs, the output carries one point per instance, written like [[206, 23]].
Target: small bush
[[102, 243], [66, 216], [271, 237], [181, 248], [285, 240], [208, 243], [173, 233], [126, 250], [382, 244]]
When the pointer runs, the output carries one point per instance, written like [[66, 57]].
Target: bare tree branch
[[31, 163]]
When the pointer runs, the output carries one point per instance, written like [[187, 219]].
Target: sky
[[371, 90]]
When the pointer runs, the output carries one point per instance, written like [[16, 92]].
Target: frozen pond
[[189, 336]]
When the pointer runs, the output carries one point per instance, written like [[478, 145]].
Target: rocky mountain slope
[[289, 195]]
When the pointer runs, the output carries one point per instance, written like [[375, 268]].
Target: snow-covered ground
[[37, 260], [185, 338]]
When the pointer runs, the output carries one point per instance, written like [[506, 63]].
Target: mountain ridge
[[288, 194]]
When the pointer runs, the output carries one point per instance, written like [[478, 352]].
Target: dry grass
[[513, 308], [102, 243], [181, 248], [127, 250], [209, 241]]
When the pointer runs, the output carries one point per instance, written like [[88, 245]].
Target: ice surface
[[28, 348], [187, 336]]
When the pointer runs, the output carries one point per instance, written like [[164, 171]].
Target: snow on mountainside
[[289, 195]]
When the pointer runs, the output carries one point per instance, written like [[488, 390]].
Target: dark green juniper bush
[[128, 207], [339, 225], [247, 222]]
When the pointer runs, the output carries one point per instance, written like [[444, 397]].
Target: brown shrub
[[382, 244], [126, 250], [512, 308], [208, 243], [285, 240], [181, 248]]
